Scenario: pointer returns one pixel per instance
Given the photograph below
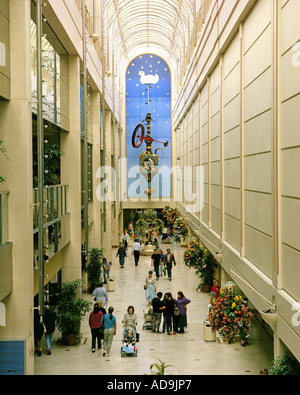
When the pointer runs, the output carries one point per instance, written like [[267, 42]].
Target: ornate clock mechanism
[[148, 161]]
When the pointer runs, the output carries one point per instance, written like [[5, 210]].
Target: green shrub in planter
[[94, 268], [284, 366], [71, 310]]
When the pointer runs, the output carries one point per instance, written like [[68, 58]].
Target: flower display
[[170, 214], [142, 224], [230, 315], [181, 227], [199, 258]]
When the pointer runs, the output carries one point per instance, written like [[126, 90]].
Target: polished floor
[[188, 353]]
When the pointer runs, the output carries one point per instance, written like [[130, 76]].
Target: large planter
[[71, 339], [206, 288]]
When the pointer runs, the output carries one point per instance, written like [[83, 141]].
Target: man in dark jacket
[[158, 308], [49, 321], [169, 259]]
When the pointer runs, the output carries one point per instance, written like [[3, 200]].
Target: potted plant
[[94, 268], [160, 367], [71, 310], [284, 366]]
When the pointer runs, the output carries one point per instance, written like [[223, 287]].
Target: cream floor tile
[[188, 352]]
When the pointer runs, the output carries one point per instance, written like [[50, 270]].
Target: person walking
[[150, 287], [130, 319], [182, 302], [95, 324], [110, 330], [155, 261], [136, 250], [106, 269], [158, 308], [161, 263], [38, 332], [122, 255], [100, 293], [49, 322], [125, 238], [169, 260]]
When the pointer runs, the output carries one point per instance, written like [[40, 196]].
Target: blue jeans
[[106, 274], [49, 337]]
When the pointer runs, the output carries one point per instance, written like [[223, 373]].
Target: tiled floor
[[188, 352]]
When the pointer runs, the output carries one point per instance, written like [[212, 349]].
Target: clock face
[[148, 164]]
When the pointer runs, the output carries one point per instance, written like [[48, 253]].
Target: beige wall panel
[[197, 157], [215, 126], [232, 202], [258, 211], [204, 114], [290, 26], [215, 149], [258, 134], [204, 213], [258, 95], [289, 76], [204, 154], [290, 219], [258, 249], [231, 142], [289, 122], [214, 80], [216, 220], [231, 114], [290, 166], [232, 170], [259, 57], [215, 173], [216, 196], [290, 271], [257, 22], [232, 84], [231, 56], [214, 102], [232, 231], [258, 174]]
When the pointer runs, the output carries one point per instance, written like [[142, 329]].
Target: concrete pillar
[[94, 128], [71, 174], [107, 233], [16, 131]]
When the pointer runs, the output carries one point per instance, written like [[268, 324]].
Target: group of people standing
[[169, 314]]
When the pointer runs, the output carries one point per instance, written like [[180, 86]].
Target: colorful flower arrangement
[[170, 214], [181, 227], [230, 315], [142, 224], [197, 257]]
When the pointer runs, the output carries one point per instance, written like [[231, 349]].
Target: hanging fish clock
[[148, 162]]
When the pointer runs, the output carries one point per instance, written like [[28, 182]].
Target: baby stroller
[[129, 347], [148, 318]]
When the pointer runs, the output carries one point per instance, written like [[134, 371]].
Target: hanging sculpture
[[148, 161]]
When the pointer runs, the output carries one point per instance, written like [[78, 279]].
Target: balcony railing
[[55, 204]]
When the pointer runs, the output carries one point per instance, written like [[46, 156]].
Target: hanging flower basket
[[199, 258]]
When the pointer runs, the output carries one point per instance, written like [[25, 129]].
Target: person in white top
[[136, 250]]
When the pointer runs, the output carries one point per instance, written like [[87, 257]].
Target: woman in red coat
[[95, 324]]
